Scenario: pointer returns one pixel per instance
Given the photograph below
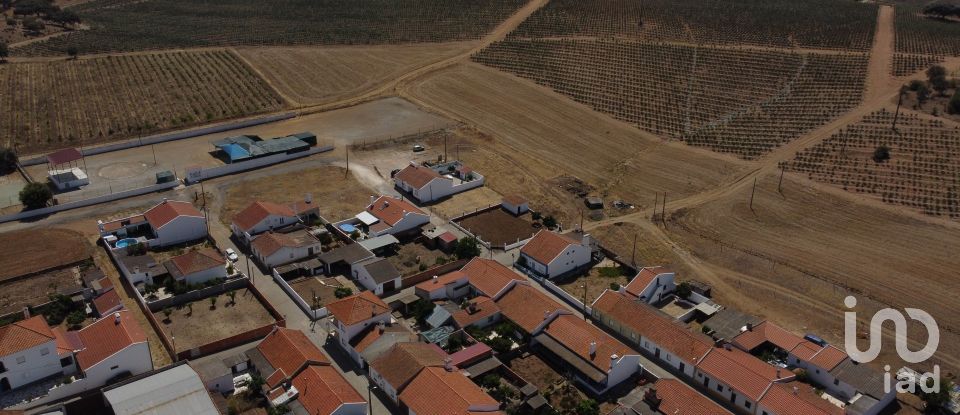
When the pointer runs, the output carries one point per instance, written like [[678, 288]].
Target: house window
[[21, 360], [733, 397], [747, 404], [719, 388], [115, 367], [66, 361], [668, 358], [836, 382], [818, 371], [44, 351]]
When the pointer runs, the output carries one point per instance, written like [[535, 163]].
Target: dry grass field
[[204, 323], [317, 75], [337, 196], [802, 252], [40, 249], [525, 122], [57, 104]]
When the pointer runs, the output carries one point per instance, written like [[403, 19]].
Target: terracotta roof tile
[[64, 155], [546, 245], [22, 335], [576, 335], [480, 308], [322, 390], [527, 306], [288, 350], [795, 398], [741, 371], [416, 176], [168, 210], [643, 279], [107, 301], [489, 276], [436, 391], [258, 211], [404, 361], [199, 260], [442, 281], [767, 332], [371, 334], [357, 308], [390, 210], [650, 323], [828, 358], [106, 337], [515, 200], [67, 341], [678, 398]]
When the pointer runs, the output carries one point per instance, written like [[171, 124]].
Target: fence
[[311, 313], [88, 202], [415, 279], [197, 175], [373, 142], [199, 294], [180, 135], [565, 296]]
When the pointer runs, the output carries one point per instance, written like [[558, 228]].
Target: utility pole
[[348, 161], [581, 219], [152, 148], [249, 274], [584, 301], [663, 214], [780, 183], [656, 199], [753, 192], [897, 114], [444, 148], [633, 254]]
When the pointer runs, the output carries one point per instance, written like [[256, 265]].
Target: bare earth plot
[[40, 249], [799, 254], [500, 228], [569, 137], [317, 75], [205, 324], [338, 197], [57, 104]]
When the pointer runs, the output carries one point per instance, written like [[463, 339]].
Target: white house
[[113, 346], [169, 222], [437, 390], [197, 267], [29, 352], [260, 217], [273, 248], [392, 371], [321, 390], [452, 285], [431, 183], [651, 284], [550, 254], [515, 204], [139, 269], [355, 313], [377, 275], [389, 215]]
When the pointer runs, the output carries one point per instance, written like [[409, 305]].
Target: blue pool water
[[123, 243], [348, 228]]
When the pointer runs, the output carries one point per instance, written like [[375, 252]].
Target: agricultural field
[[922, 171], [922, 41], [778, 23], [317, 75], [796, 254], [742, 102], [39, 250], [135, 25], [56, 104]]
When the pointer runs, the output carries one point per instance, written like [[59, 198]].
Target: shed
[[593, 202], [165, 176]]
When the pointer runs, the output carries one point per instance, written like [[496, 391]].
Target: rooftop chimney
[[614, 357], [116, 318], [308, 198], [381, 326], [778, 374], [796, 390], [593, 349], [372, 199], [749, 326], [448, 364], [435, 279], [727, 346]]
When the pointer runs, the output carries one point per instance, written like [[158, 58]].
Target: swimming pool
[[348, 228], [123, 243]]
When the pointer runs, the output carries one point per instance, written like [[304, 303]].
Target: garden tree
[[32, 24], [421, 310], [8, 160], [942, 9], [881, 154], [325, 238], [167, 311], [490, 381], [923, 93], [342, 292], [500, 344], [953, 107], [190, 308], [935, 401], [35, 195], [550, 222], [256, 383], [467, 248], [76, 318], [684, 290], [72, 51], [65, 17], [588, 407], [213, 302], [233, 297], [937, 75]]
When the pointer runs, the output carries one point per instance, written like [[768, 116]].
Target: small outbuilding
[[515, 204]]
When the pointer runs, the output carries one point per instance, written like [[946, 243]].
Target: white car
[[232, 255]]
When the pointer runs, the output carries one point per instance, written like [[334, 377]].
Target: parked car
[[418, 148], [232, 255]]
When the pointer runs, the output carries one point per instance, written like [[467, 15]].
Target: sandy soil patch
[[202, 324], [40, 249]]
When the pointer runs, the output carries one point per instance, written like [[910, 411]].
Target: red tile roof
[[515, 200], [828, 358], [546, 246], [199, 260], [168, 210], [106, 337], [442, 281], [404, 361], [576, 335], [288, 350], [22, 335], [489, 276], [527, 306], [678, 398], [67, 341], [448, 237], [322, 390], [480, 308], [741, 371], [470, 355], [436, 391], [390, 210], [805, 351], [108, 301], [767, 332], [357, 308], [650, 323], [370, 335], [795, 398], [258, 211], [643, 279], [270, 242], [416, 176]]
